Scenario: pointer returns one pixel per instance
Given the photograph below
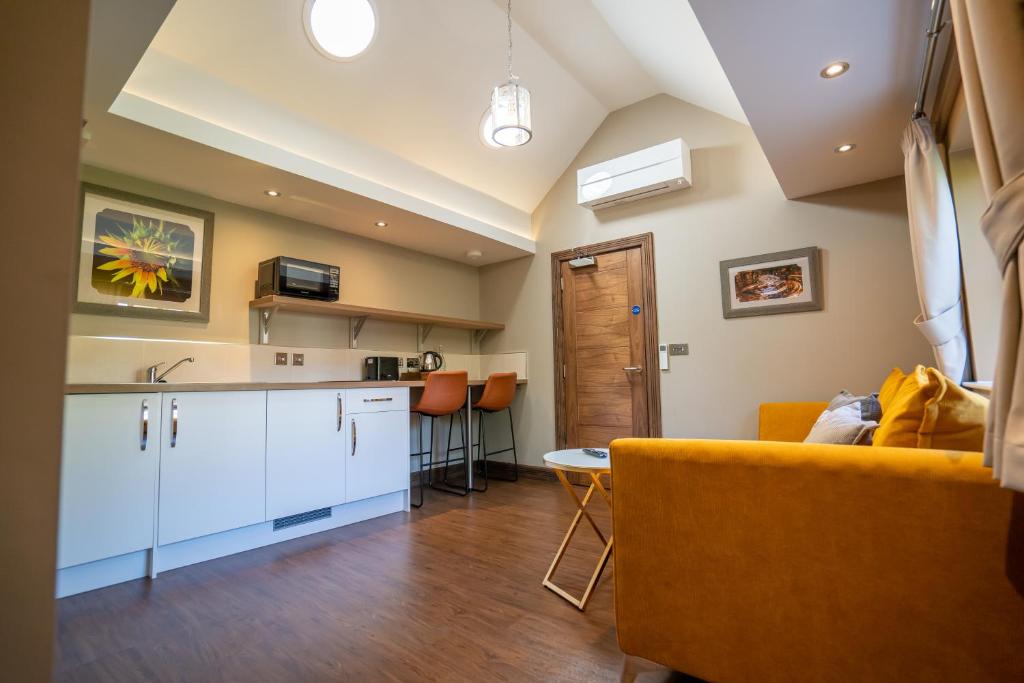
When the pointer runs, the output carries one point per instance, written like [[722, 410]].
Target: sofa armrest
[[779, 561], [787, 421]]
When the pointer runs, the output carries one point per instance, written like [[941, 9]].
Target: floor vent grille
[[301, 518]]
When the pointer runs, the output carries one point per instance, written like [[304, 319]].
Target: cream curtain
[[990, 43], [936, 248]]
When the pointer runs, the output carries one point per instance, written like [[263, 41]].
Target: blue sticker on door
[[636, 310]]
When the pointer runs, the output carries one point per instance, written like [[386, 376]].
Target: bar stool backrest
[[444, 393], [499, 391]]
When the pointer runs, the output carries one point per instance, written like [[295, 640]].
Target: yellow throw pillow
[[929, 410], [890, 387]]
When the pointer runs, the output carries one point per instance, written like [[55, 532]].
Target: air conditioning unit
[[655, 170]]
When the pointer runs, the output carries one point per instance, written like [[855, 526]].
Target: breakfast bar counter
[[163, 388]]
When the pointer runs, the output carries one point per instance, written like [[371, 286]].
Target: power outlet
[[412, 363], [280, 358], [298, 359], [679, 349]]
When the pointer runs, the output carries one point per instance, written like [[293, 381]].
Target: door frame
[[652, 378]]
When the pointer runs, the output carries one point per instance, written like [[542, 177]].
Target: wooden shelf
[[268, 305]]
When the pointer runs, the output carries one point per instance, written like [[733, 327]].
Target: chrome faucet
[[153, 378]]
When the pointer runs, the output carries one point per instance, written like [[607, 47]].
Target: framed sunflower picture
[[780, 282], [143, 257]]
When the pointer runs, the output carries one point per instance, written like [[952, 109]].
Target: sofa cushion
[[929, 410], [847, 420], [889, 387]]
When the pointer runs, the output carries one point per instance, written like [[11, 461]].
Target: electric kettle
[[431, 361]]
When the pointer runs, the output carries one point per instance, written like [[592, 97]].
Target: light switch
[[298, 359], [679, 349], [280, 358]]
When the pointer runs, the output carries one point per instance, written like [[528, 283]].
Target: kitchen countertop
[[147, 388]]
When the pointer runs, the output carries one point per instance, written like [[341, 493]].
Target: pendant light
[[510, 104]]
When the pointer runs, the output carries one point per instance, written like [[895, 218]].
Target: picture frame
[[773, 283], [142, 257]]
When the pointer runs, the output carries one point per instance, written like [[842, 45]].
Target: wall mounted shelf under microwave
[[266, 306]]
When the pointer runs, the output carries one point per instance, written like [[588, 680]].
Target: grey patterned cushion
[[848, 419]]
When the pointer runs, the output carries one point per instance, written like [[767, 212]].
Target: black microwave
[[288, 276]]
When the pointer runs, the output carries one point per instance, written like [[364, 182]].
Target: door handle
[[341, 413], [634, 368], [145, 425], [174, 422], [354, 440]]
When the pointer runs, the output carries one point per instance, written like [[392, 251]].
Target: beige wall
[[42, 49], [735, 209], [981, 272], [372, 274]]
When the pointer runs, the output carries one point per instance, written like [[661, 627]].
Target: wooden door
[[305, 451], [108, 476], [212, 463], [605, 352]]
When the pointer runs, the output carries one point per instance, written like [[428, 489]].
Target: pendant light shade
[[510, 104], [510, 107]]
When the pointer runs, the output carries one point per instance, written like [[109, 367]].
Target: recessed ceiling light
[[272, 193], [474, 253], [835, 69], [381, 224], [844, 148], [487, 130], [340, 29]]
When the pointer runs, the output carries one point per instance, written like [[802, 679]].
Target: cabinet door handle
[[354, 440], [145, 425], [378, 400], [174, 422], [634, 368], [341, 412]]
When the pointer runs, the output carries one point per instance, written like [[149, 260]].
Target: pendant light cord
[[511, 76]]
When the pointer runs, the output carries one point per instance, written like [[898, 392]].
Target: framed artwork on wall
[[780, 282], [142, 257]]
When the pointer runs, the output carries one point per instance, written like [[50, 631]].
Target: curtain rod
[[934, 29]]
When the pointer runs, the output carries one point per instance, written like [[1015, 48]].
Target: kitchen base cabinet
[[111, 454], [305, 451], [378, 461], [212, 463]]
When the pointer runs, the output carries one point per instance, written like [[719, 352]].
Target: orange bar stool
[[444, 394], [499, 391]]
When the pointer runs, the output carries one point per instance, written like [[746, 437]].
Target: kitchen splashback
[[119, 359]]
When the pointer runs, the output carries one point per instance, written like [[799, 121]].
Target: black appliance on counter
[[379, 368], [288, 276]]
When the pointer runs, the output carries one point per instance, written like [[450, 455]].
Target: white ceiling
[[666, 38], [773, 52], [397, 128]]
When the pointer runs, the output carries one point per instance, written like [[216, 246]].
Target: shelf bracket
[[422, 332], [477, 339], [355, 326], [266, 315]]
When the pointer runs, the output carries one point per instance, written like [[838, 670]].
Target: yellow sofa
[[778, 561]]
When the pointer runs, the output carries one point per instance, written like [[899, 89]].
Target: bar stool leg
[[482, 453], [444, 485], [515, 459]]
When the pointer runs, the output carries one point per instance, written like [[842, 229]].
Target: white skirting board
[[102, 573]]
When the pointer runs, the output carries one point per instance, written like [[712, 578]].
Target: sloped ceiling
[[399, 126]]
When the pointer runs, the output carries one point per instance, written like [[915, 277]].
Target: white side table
[[575, 460]]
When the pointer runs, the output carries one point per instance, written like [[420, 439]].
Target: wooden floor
[[450, 592]]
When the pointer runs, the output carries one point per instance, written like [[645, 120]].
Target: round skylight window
[[340, 29]]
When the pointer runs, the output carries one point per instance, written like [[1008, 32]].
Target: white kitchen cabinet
[[378, 454], [111, 454], [212, 463], [306, 451]]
